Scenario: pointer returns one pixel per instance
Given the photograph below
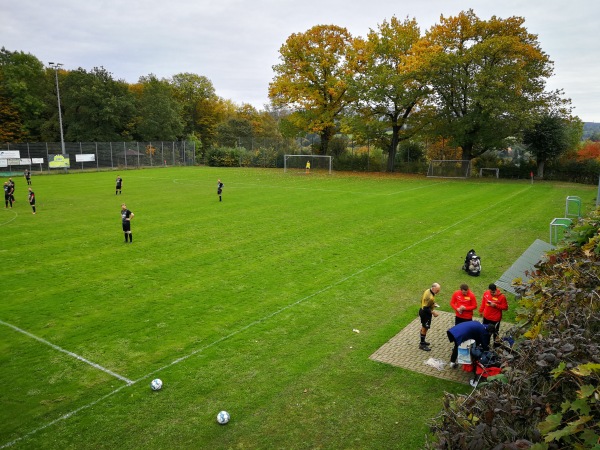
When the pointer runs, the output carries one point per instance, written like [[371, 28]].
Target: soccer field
[[246, 305]]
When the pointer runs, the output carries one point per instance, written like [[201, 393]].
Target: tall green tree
[[159, 116], [488, 79], [198, 100], [11, 127], [234, 132], [25, 86], [313, 78], [551, 137], [96, 107], [389, 87]]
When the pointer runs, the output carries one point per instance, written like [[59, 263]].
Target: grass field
[[245, 305]]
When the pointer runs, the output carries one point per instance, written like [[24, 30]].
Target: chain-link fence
[[95, 155]]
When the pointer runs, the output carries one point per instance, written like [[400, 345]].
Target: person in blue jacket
[[464, 331]]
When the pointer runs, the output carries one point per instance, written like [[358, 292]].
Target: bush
[[372, 161], [585, 172], [226, 157]]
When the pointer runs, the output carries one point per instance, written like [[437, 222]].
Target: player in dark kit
[[7, 197], [31, 198], [119, 183], [219, 189], [27, 175], [11, 183], [126, 217]]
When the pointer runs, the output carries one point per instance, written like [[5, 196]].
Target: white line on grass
[[10, 220], [63, 417], [60, 349], [268, 316], [304, 188]]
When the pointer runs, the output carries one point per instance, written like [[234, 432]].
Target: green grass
[[247, 305]]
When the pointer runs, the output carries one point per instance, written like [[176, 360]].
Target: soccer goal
[[297, 163], [449, 168], [483, 171]]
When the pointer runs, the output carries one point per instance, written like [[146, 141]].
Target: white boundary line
[[60, 349], [10, 220], [258, 321]]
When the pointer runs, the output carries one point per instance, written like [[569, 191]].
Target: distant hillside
[[590, 128]]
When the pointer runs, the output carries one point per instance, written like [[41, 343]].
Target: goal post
[[298, 162], [495, 170], [449, 168]]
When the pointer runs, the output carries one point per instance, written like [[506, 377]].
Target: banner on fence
[[85, 157], [58, 162], [37, 160], [25, 162], [6, 154]]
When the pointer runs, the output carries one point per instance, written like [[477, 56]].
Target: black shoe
[[426, 343], [424, 348]]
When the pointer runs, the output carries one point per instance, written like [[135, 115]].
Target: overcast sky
[[235, 43]]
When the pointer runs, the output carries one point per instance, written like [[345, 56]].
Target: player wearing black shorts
[[126, 217], [7, 197], [31, 198], [118, 186], [27, 175], [426, 312], [11, 183], [219, 189]]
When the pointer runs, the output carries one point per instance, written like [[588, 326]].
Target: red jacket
[[469, 302], [499, 303]]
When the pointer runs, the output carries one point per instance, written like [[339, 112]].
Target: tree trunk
[[467, 150], [393, 148], [540, 169], [326, 136]]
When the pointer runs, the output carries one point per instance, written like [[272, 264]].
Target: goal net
[[489, 171], [449, 168], [297, 163]]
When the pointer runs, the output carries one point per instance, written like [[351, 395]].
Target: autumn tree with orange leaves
[[313, 78], [589, 150]]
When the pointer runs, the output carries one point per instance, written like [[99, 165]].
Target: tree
[[550, 137], [24, 85], [158, 112], [233, 130], [488, 79], [198, 100], [11, 126], [96, 107], [313, 79], [589, 150], [389, 87]]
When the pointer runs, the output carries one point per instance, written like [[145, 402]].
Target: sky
[[235, 43]]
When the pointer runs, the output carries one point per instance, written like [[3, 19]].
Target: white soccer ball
[[156, 384], [223, 417]]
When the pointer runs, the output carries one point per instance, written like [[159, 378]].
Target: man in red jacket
[[464, 303], [492, 305]]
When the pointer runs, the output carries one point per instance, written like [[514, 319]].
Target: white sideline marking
[[63, 417], [60, 349], [256, 322]]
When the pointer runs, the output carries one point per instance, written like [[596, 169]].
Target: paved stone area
[[403, 349]]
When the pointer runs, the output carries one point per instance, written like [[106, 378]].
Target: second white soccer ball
[[156, 384], [223, 417]]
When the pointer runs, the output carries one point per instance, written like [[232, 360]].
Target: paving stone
[[403, 349]]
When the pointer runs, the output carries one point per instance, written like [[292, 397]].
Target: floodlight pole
[[56, 66]]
